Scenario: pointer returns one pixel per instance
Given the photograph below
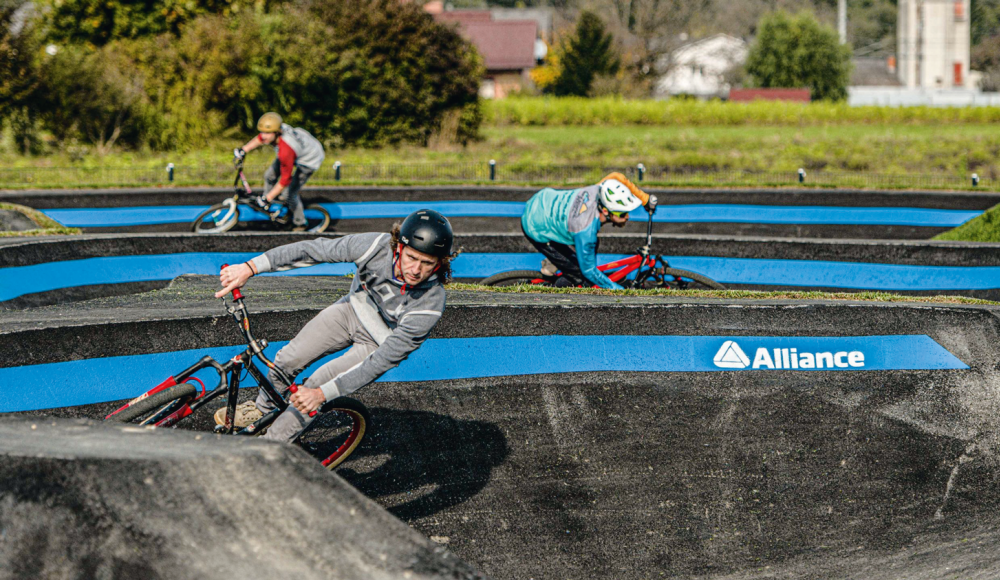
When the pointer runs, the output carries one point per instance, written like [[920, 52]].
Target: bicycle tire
[[698, 279], [218, 228], [329, 438], [324, 221], [515, 277], [153, 403]]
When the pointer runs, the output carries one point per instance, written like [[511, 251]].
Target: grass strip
[[46, 225], [727, 294], [985, 228], [580, 111]]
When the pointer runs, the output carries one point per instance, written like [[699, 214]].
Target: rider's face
[[268, 138], [618, 221], [415, 267]]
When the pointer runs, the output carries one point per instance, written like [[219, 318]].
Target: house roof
[[504, 45], [873, 72], [464, 16]]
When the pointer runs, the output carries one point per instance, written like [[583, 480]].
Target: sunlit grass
[[727, 294]]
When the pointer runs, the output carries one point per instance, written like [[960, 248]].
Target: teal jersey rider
[[563, 225]]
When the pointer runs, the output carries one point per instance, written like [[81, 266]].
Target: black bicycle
[[224, 216], [331, 437], [650, 271]]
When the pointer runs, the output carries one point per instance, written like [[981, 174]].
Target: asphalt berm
[[626, 474], [85, 499]]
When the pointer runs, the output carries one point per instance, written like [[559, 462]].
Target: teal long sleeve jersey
[[570, 217]]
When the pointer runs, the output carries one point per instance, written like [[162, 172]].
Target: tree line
[[173, 73]]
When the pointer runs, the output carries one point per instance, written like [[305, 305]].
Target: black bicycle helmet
[[427, 231]]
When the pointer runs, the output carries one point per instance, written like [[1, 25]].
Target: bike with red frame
[[331, 437], [650, 272]]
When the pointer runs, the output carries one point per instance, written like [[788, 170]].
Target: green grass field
[[951, 151], [681, 142]]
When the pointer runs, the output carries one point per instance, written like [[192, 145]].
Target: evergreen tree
[[588, 53], [799, 52]]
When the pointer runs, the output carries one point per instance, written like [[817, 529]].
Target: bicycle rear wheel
[[217, 219], [516, 277], [684, 280], [317, 218], [148, 410], [336, 432]]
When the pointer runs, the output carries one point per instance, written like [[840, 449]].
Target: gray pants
[[334, 329], [291, 195]]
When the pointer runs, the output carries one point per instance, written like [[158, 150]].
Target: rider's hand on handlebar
[[233, 277], [306, 400], [651, 204], [262, 202]]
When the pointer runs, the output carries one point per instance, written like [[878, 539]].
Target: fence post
[[975, 179], [336, 170], [493, 170], [641, 169], [802, 175], [170, 172]]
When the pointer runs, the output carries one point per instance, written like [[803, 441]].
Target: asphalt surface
[[721, 475], [53, 249], [112, 198]]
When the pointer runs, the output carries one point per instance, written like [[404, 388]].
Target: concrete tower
[[933, 44]]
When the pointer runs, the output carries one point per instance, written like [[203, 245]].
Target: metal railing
[[477, 173]]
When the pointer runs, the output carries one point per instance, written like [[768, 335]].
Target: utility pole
[[842, 20]]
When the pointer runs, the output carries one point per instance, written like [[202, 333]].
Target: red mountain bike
[[331, 437], [650, 272]]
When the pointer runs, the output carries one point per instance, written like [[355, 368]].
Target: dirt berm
[[600, 466]]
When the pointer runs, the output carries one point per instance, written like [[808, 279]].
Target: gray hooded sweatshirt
[[397, 316]]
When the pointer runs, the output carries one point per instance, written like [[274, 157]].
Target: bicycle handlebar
[[294, 389]]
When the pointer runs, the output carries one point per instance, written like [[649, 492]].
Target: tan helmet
[[269, 123]]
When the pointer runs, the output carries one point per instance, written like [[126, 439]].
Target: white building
[[699, 68], [933, 44]]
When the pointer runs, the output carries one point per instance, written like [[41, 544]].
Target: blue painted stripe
[[17, 281], [769, 214], [98, 380]]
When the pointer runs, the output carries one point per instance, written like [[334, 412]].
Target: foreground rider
[[299, 155], [563, 225], [395, 300]]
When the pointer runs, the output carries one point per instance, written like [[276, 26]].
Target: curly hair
[[444, 272]]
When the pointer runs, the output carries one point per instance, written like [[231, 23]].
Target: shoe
[[300, 228], [246, 413], [548, 268]]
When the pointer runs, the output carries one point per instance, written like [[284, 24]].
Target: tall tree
[[797, 51], [587, 54]]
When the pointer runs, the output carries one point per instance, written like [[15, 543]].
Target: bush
[[98, 22], [92, 96], [798, 51], [353, 72]]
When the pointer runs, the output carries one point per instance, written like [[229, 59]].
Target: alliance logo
[[731, 356]]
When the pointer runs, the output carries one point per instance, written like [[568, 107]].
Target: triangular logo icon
[[731, 356]]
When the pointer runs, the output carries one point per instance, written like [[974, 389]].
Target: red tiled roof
[[504, 45], [463, 16]]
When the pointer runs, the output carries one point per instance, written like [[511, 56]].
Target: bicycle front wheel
[[336, 432], [148, 410], [217, 219], [317, 218], [517, 277], [685, 280]]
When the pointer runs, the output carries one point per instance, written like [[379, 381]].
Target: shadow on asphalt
[[417, 463]]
